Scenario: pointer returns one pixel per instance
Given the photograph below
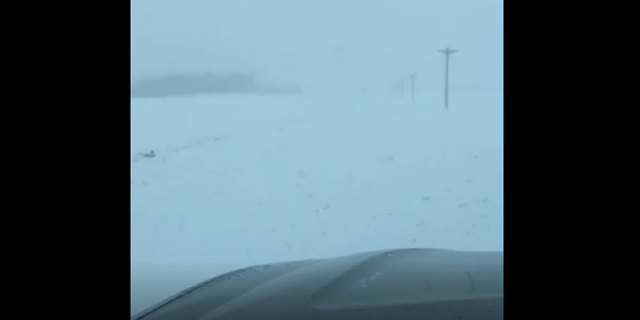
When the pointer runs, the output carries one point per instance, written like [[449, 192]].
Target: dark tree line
[[188, 84]]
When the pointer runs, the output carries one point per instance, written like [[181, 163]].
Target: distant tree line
[[189, 84]]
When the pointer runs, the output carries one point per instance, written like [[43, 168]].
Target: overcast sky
[[325, 44]]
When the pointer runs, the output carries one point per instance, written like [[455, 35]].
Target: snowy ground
[[249, 180]]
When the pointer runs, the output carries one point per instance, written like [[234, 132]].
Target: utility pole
[[413, 78], [447, 53]]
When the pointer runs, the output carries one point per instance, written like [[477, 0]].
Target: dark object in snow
[[404, 284], [151, 154]]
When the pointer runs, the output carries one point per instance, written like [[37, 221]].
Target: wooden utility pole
[[413, 78], [447, 52]]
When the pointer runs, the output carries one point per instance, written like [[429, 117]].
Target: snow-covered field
[[248, 180]]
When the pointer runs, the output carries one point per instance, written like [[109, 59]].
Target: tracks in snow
[[165, 154]]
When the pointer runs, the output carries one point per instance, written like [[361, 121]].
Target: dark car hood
[[399, 284]]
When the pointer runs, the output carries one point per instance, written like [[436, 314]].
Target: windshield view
[[269, 131]]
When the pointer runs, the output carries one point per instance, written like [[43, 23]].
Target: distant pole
[[447, 52], [413, 78]]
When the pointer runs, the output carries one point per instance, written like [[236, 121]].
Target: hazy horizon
[[326, 45]]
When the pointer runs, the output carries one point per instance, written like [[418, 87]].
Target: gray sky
[[322, 44]]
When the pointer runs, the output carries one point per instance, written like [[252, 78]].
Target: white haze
[[247, 179], [328, 45]]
